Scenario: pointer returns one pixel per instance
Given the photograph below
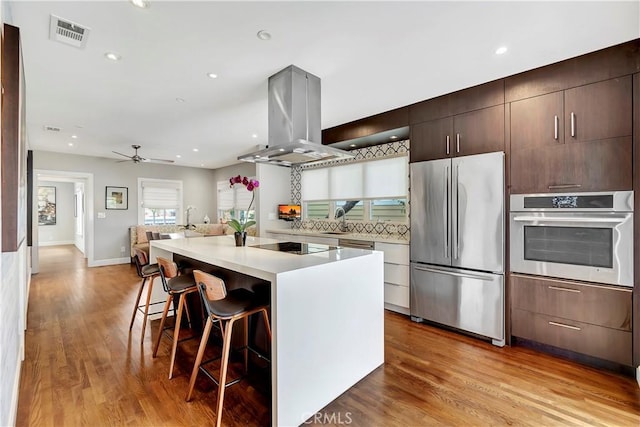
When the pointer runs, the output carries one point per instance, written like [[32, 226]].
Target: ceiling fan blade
[[122, 161], [121, 154], [162, 160]]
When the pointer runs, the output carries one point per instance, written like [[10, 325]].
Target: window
[[161, 201], [388, 210], [234, 202]]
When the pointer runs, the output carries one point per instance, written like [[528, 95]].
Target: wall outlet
[[121, 249], [102, 215], [272, 216]]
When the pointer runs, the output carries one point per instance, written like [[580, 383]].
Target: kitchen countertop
[[383, 238]]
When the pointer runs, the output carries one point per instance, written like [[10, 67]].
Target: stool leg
[[135, 307], [245, 322], [265, 317], [186, 309], [146, 309], [196, 365], [176, 334], [164, 317], [224, 364]]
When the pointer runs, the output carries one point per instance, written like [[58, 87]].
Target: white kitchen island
[[327, 313]]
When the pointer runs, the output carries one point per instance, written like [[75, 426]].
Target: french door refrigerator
[[457, 243]]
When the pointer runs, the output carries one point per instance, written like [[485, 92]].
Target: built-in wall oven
[[581, 236]]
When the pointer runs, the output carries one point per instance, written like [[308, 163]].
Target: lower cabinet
[[591, 319], [396, 276]]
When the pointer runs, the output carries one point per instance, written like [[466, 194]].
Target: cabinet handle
[[447, 145], [559, 186], [555, 288], [573, 124], [457, 142], [556, 126], [446, 212], [562, 325]]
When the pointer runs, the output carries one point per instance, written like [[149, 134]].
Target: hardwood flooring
[[83, 367]]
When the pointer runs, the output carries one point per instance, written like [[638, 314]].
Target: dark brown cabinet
[[475, 132], [589, 319], [573, 140]]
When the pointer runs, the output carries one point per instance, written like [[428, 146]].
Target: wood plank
[[83, 367]]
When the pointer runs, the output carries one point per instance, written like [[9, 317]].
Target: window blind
[[160, 195], [225, 196]]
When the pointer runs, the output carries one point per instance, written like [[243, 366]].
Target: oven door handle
[[569, 219]]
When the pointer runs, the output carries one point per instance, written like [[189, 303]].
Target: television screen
[[289, 212]]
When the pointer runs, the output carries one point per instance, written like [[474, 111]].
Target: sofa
[[138, 233]]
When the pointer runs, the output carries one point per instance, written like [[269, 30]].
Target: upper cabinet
[[573, 140], [467, 122]]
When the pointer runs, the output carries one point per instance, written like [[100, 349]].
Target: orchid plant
[[251, 185]]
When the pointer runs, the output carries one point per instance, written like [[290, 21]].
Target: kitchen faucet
[[343, 224]]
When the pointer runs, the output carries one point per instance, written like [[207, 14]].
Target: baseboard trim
[[58, 243], [112, 261], [14, 398]]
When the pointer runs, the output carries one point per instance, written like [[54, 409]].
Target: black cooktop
[[296, 248]]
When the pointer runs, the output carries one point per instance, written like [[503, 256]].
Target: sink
[[335, 232]]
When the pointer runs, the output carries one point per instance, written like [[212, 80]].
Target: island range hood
[[295, 133]]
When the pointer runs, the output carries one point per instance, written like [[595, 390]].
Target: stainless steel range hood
[[295, 133]]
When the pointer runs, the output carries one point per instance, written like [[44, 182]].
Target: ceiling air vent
[[67, 32], [51, 128]]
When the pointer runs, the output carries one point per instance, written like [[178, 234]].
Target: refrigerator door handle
[[455, 274], [446, 212], [456, 238]]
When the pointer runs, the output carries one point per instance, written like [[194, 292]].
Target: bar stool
[[173, 285], [225, 307], [147, 272]]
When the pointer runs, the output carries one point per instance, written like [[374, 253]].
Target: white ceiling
[[370, 56]]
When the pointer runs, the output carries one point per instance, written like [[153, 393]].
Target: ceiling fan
[[137, 158]]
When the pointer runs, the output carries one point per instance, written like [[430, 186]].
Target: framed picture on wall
[[117, 198], [46, 205]]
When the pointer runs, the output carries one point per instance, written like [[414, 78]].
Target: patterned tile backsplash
[[391, 229]]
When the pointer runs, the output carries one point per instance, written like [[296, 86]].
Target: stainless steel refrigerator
[[457, 243]]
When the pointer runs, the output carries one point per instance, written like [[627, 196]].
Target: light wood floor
[[83, 368]]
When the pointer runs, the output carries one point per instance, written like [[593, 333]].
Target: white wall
[[62, 233], [275, 189], [112, 232]]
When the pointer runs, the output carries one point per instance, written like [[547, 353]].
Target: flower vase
[[241, 238]]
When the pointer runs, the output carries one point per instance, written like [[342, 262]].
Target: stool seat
[[236, 302], [181, 283], [150, 269]]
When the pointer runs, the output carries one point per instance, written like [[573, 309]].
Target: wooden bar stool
[[147, 272], [225, 307], [173, 284]]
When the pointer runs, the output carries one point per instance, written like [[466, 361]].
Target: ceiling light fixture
[[212, 75], [393, 137], [254, 135], [352, 145], [195, 150], [74, 136], [178, 156], [112, 56], [180, 100], [70, 144], [263, 35], [142, 4], [501, 50]]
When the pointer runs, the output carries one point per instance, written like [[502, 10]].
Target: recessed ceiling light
[[196, 150], [112, 56], [178, 156], [501, 50], [264, 35], [70, 144], [212, 75], [280, 149], [180, 100], [352, 145], [393, 137], [143, 4], [202, 164], [254, 135]]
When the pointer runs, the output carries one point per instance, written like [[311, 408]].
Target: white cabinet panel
[[394, 253], [396, 274], [396, 294]]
